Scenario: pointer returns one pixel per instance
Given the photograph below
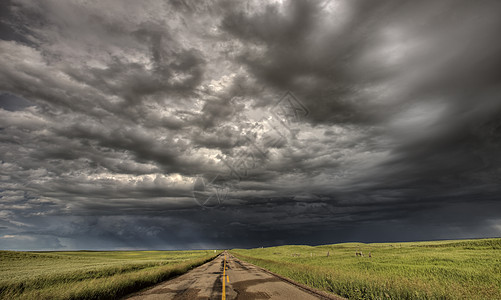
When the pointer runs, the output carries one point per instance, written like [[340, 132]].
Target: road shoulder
[[308, 289]]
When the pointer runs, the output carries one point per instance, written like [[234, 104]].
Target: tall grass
[[90, 275], [465, 269]]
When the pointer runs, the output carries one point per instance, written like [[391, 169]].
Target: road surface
[[243, 282]]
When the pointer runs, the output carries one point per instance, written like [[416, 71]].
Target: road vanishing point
[[228, 278]]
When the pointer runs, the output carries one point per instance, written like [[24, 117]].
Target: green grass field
[[462, 269], [90, 275]]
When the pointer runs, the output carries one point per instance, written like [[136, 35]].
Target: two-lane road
[[242, 281]]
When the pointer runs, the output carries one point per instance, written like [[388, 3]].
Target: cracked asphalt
[[244, 281]]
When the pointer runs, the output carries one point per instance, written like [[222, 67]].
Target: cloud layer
[[113, 113]]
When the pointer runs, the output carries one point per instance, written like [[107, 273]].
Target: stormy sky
[[210, 124]]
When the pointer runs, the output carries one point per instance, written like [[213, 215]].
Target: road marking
[[223, 296], [228, 278]]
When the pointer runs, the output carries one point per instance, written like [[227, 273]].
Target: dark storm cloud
[[12, 103], [109, 112]]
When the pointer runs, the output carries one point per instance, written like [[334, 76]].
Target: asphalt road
[[243, 281]]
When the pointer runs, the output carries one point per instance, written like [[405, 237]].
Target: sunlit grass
[[89, 275], [464, 269]]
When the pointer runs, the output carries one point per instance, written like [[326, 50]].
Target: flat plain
[[456, 269], [90, 274]]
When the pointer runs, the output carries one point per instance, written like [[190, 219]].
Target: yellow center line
[[223, 297]]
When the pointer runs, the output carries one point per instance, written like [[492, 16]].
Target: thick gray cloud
[[111, 113]]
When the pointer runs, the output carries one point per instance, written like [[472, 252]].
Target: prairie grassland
[[460, 269], [89, 274]]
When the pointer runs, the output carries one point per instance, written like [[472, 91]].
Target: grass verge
[[90, 275], [465, 269]]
